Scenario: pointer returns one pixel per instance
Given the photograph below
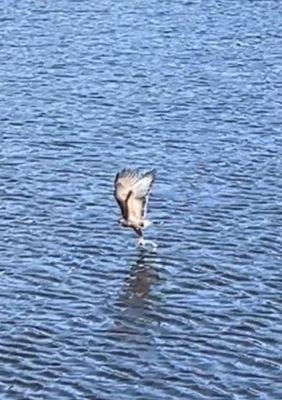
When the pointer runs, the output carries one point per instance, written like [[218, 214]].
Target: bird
[[131, 191]]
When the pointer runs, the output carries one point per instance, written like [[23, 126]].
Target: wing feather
[[138, 200], [124, 181]]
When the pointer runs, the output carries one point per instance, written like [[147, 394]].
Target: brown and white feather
[[132, 191], [138, 200], [124, 182]]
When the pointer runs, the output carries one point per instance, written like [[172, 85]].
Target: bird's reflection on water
[[140, 280], [135, 304]]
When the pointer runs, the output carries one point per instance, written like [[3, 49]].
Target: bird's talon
[[140, 242]]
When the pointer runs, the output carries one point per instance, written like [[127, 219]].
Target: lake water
[[193, 89]]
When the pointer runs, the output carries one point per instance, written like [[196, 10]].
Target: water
[[192, 88]]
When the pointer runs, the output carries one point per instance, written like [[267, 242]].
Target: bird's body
[[132, 191]]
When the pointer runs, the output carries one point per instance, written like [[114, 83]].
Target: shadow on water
[[135, 304], [142, 276]]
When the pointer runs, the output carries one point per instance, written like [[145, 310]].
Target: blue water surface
[[192, 88]]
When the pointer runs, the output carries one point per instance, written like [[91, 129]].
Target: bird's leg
[[140, 240]]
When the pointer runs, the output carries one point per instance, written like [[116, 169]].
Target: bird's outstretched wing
[[124, 182], [138, 195]]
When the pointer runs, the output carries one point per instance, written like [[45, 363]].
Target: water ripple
[[193, 90]]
